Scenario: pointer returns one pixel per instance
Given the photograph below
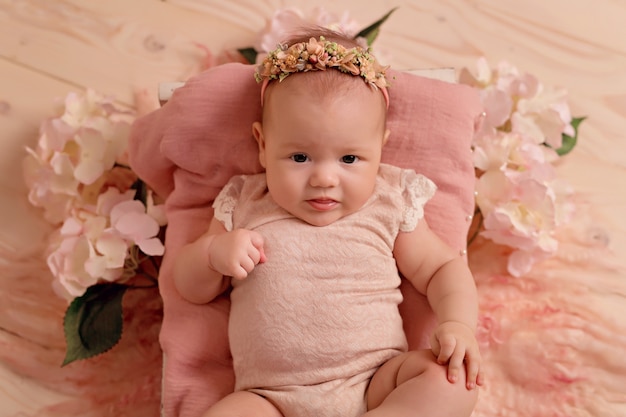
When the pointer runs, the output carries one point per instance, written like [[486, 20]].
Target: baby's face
[[321, 155]]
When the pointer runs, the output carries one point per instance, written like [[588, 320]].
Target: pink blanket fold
[[189, 148]]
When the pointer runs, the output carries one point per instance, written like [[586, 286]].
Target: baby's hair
[[305, 33]]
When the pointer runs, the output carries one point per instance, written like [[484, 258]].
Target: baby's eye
[[349, 159], [299, 158]]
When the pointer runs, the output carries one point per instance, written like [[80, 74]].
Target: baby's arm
[[440, 273], [203, 268]]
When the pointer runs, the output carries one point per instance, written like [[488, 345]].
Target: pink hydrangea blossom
[[67, 264], [286, 21], [96, 242], [98, 153], [107, 256], [75, 150], [544, 117], [76, 174], [523, 210], [518, 102], [76, 261], [91, 110], [519, 212], [130, 220], [51, 184], [519, 198], [110, 198], [54, 135], [506, 150]]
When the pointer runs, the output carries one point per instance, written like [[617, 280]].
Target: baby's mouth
[[322, 204]]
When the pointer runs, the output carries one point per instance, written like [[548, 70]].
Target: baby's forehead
[[327, 81], [323, 88]]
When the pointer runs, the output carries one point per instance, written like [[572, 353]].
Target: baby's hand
[[236, 253], [454, 343]]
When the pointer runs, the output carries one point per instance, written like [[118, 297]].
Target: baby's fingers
[[446, 346], [474, 374], [258, 244], [240, 272], [455, 364], [243, 268]]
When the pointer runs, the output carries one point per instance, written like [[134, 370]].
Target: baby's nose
[[323, 177]]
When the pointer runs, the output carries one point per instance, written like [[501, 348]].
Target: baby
[[313, 248]]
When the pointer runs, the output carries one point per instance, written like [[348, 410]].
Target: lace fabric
[[226, 200], [416, 191]]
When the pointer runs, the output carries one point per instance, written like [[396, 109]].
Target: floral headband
[[318, 55]]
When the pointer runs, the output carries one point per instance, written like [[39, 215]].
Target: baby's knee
[[422, 366], [420, 363], [420, 383], [243, 404]]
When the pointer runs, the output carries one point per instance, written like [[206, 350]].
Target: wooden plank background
[[51, 47]]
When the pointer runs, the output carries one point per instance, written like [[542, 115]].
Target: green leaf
[[570, 141], [93, 322], [370, 33], [249, 54]]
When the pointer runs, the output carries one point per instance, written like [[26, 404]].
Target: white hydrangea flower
[[51, 184], [107, 256], [76, 174], [67, 264], [543, 117]]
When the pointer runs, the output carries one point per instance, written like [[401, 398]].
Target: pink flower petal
[[498, 106], [125, 207], [71, 227], [137, 226], [113, 248], [152, 247], [520, 263], [95, 266], [111, 198]]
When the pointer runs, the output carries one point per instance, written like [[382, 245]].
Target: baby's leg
[[243, 404], [414, 384]]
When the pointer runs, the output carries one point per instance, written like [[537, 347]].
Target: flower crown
[[318, 55]]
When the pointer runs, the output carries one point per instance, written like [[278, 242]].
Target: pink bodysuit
[[309, 327]]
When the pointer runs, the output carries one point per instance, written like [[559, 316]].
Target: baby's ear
[[257, 131], [386, 136]]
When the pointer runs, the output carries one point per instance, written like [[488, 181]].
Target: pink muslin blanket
[[187, 151]]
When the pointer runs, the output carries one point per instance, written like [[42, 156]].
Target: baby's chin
[[323, 219], [317, 223]]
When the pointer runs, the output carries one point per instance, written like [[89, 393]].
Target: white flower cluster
[[77, 175], [520, 198]]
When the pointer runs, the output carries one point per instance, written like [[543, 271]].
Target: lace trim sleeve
[[416, 191], [226, 200]]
